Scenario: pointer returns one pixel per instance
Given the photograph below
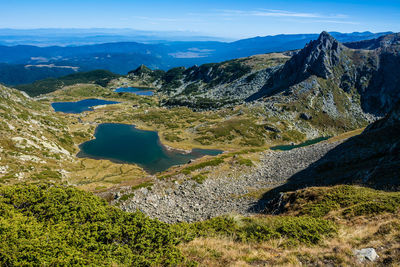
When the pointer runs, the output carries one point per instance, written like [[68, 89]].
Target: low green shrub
[[199, 178], [294, 230], [145, 184], [47, 174], [246, 162], [44, 225], [127, 196], [213, 162], [349, 200]]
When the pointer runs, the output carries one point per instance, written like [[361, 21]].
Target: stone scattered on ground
[[366, 254], [187, 200]]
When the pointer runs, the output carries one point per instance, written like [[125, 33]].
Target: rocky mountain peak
[[320, 56], [142, 69], [325, 36]]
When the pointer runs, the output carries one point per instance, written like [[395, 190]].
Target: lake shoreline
[[126, 144]]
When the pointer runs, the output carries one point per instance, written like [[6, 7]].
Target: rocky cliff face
[[318, 58]]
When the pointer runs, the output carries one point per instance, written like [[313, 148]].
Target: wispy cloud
[[278, 13], [335, 22], [302, 17]]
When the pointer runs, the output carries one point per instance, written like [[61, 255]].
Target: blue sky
[[234, 19]]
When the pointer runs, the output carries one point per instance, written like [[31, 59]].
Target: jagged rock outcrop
[[318, 58], [141, 70], [145, 76]]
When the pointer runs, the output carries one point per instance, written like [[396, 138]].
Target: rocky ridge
[[187, 200], [200, 86], [384, 41]]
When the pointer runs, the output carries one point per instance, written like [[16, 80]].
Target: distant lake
[[134, 90], [306, 143], [123, 143], [80, 106]]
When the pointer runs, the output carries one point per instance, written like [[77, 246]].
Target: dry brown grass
[[380, 232], [345, 135], [92, 175], [258, 62]]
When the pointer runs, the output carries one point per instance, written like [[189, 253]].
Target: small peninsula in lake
[[126, 144]]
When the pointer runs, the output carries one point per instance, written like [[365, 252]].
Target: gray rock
[[271, 129], [305, 116], [366, 254]]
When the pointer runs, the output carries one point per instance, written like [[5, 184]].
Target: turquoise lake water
[[134, 90], [124, 143], [306, 143], [80, 106]]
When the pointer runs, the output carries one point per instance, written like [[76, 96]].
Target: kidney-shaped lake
[[124, 143]]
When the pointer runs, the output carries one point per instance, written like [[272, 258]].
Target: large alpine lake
[[124, 143], [80, 106]]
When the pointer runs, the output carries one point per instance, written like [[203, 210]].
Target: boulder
[[305, 116], [366, 254]]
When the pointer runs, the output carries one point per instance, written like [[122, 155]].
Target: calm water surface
[[134, 90], [123, 143], [80, 106], [306, 143]]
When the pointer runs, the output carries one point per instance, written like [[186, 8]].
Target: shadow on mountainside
[[371, 159]]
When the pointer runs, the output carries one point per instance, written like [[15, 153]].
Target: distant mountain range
[[26, 63], [89, 36]]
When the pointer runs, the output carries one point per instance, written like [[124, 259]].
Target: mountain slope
[[371, 75], [32, 139], [212, 85], [371, 159]]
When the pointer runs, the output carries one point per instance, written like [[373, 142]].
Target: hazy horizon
[[80, 36], [225, 19]]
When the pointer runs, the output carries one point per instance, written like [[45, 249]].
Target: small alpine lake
[[80, 106], [135, 90], [306, 143], [123, 143]]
